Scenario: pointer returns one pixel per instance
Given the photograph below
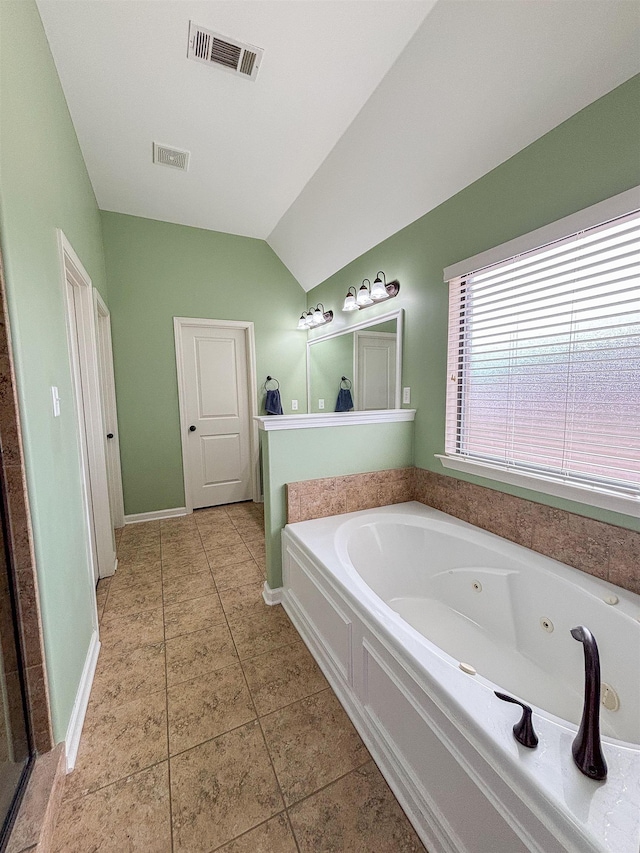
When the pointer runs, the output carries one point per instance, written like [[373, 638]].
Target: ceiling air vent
[[227, 53], [173, 157]]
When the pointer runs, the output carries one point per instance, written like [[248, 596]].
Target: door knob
[[192, 428], [109, 435]]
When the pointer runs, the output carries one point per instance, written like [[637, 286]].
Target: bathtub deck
[[209, 721]]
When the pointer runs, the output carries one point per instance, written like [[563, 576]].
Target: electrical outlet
[[321, 404], [406, 395], [294, 405]]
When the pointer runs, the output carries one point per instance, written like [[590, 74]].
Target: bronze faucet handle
[[523, 730]]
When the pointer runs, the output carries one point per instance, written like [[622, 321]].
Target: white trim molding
[[589, 217], [79, 710], [272, 422], [156, 515], [272, 596], [547, 485]]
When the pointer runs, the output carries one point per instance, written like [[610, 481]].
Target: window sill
[[547, 485]]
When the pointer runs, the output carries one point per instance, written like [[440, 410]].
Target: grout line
[[166, 696]]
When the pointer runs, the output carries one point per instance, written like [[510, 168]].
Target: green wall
[[306, 454], [43, 186], [158, 271], [593, 155]]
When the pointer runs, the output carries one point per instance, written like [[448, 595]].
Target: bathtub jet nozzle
[[586, 748]]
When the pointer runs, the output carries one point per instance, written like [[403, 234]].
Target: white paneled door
[[214, 365], [375, 358]]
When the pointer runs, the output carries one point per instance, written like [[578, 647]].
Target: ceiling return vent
[[227, 53], [173, 157]]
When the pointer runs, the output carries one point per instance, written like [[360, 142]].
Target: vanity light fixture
[[365, 297], [314, 317], [350, 303]]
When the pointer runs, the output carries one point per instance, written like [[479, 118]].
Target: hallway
[[210, 727]]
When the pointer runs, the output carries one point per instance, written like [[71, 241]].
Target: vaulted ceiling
[[365, 114]]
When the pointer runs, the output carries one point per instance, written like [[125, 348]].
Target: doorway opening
[[83, 355], [217, 392]]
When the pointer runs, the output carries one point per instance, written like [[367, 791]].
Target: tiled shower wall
[[21, 543], [604, 550]]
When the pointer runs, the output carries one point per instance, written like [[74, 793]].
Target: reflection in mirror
[[368, 356]]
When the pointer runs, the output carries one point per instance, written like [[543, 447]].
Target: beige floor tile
[[239, 602], [282, 676], [237, 574], [212, 541], [256, 547], [358, 813], [221, 789], [122, 676], [174, 551], [135, 599], [274, 836], [194, 655], [139, 553], [131, 816], [102, 591], [221, 557], [177, 589], [266, 630], [119, 740], [207, 707], [312, 743], [131, 630], [192, 615], [209, 512], [250, 528], [193, 564], [136, 569], [137, 580]]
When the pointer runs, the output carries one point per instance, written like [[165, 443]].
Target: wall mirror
[[368, 355]]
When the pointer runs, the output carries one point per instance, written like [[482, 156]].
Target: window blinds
[[544, 360]]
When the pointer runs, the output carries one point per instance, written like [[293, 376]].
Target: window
[[544, 364]]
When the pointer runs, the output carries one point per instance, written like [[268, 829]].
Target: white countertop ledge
[[332, 419]]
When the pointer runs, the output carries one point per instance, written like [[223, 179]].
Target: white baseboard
[[271, 596], [74, 729], [156, 515]]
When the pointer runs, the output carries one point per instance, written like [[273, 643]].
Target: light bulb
[[363, 296], [350, 303]]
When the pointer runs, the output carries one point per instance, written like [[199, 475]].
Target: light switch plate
[[294, 405], [55, 399], [321, 404], [406, 395]]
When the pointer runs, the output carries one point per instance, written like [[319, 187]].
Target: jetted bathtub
[[392, 601]]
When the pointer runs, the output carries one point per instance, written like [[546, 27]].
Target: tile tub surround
[[595, 547], [210, 727], [334, 495], [21, 540]]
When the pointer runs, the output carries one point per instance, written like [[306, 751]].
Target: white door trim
[[108, 388], [93, 463], [180, 323]]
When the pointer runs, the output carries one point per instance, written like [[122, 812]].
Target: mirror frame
[[397, 315]]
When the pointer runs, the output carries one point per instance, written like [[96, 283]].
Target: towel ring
[[348, 386], [271, 379]]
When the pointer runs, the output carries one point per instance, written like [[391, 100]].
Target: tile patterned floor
[[210, 727]]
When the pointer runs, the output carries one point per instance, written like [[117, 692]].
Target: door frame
[[109, 408], [180, 323], [83, 360]]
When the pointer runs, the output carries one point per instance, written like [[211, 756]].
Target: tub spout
[[587, 749]]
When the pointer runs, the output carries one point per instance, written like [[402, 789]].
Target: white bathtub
[[390, 601]]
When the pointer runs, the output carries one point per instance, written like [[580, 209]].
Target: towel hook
[[348, 386], [271, 379]]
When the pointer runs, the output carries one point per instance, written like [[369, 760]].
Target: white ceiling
[[337, 145], [254, 145]]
